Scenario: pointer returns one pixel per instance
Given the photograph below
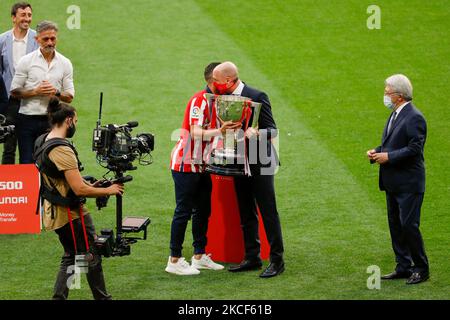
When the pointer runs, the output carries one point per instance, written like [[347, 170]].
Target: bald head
[[227, 69], [226, 77]]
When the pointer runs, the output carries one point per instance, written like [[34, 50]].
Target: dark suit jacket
[[3, 96], [267, 162], [405, 170]]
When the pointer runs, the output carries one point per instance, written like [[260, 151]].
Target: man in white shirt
[[14, 44], [39, 76]]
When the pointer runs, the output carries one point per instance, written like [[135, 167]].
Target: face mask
[[388, 102], [71, 131], [221, 88]]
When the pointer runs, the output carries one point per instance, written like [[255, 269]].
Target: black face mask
[[71, 131]]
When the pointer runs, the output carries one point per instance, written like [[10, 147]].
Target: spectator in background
[[40, 75], [14, 44], [402, 177]]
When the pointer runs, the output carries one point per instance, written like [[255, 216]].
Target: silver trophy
[[229, 157]]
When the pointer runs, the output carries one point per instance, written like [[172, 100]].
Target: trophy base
[[226, 162], [226, 157], [226, 170]]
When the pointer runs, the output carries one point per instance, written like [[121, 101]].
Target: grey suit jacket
[[6, 55]]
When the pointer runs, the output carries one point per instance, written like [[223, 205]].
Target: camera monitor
[[135, 225]]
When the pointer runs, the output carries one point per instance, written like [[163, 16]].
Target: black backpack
[[42, 149]]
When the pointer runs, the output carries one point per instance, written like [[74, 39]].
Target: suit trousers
[[404, 221], [259, 190]]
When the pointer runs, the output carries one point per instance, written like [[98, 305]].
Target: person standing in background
[[402, 177], [14, 44], [40, 75]]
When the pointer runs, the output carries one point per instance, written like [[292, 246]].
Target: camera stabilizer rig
[[116, 149]]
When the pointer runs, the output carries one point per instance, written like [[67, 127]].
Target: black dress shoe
[[418, 277], [272, 270], [246, 265], [396, 275]]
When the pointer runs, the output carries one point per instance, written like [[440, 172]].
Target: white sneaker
[[181, 267], [205, 262]]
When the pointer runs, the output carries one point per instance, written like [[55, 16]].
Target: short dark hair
[[209, 70], [59, 111], [19, 5], [46, 25]]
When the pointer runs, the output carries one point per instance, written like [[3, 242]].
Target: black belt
[[37, 117]]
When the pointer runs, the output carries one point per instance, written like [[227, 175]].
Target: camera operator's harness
[[50, 192]]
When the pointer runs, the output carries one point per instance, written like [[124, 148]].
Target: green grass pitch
[[324, 71]]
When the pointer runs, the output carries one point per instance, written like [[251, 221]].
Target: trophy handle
[[256, 108]]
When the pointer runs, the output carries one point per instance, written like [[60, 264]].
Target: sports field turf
[[324, 71]]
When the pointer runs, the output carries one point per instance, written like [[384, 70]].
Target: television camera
[[116, 149]]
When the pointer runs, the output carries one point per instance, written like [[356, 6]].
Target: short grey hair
[[400, 84], [46, 25]]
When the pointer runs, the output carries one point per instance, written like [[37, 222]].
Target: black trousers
[[28, 129], [10, 145], [95, 271], [193, 200], [404, 221], [259, 190]]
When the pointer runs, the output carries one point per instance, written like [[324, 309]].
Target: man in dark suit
[[3, 96], [258, 188], [402, 177]]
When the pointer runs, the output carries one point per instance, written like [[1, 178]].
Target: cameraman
[[75, 235]]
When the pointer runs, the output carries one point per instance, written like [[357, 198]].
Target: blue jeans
[[29, 128], [193, 200]]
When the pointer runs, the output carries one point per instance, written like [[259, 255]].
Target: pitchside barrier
[[19, 192]]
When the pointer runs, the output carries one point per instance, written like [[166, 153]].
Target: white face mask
[[388, 102]]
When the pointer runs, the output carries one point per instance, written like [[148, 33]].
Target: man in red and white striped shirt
[[192, 184], [187, 155]]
